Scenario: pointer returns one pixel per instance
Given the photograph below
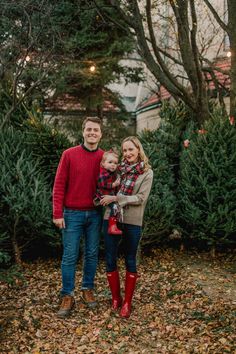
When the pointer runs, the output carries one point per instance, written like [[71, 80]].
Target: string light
[[92, 68]]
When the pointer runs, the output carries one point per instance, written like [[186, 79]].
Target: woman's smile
[[130, 152]]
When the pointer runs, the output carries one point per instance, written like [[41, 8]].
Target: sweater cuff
[[124, 199], [58, 215]]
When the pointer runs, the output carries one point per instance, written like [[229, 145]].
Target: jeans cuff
[[86, 287], [62, 293]]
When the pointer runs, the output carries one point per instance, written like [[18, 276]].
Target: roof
[[67, 102], [221, 76], [154, 100]]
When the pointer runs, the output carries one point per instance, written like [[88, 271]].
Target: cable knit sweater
[[134, 205], [75, 181]]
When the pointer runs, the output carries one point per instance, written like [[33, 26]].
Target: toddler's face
[[110, 163]]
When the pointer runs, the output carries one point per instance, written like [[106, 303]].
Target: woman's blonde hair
[[141, 155]]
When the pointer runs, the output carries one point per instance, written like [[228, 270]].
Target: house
[[144, 100]]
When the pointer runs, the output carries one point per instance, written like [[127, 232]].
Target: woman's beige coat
[[134, 205]]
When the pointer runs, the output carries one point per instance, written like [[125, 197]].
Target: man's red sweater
[[75, 181]]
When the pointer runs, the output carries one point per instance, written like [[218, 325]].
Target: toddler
[[107, 184]]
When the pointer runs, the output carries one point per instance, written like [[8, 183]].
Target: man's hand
[[59, 223]]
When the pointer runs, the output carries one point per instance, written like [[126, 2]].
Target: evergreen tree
[[25, 206], [162, 148], [54, 47], [45, 143], [98, 46], [159, 215], [207, 186]]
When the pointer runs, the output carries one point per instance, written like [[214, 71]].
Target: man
[[75, 214]]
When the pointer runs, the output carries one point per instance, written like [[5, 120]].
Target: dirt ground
[[184, 303], [216, 276]]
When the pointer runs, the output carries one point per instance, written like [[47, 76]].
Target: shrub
[[24, 195], [45, 143], [160, 210], [162, 147], [207, 186]]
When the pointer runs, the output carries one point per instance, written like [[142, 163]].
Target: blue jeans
[[78, 223], [131, 237]]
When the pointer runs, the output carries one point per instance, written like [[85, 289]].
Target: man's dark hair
[[92, 119]]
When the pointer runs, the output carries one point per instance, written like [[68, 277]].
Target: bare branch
[[128, 19], [156, 51], [13, 108], [193, 34], [216, 16], [180, 9]]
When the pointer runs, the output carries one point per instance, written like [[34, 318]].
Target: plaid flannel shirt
[[104, 183]]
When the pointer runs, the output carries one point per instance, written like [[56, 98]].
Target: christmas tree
[[207, 185], [162, 148], [25, 206]]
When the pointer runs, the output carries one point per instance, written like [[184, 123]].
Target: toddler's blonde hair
[[112, 151]]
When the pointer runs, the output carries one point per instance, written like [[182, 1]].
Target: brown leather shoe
[[88, 298], [67, 304]]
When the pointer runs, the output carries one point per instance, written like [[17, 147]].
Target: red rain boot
[[112, 226], [130, 282], [114, 284]]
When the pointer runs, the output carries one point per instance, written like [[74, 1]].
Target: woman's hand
[[107, 199]]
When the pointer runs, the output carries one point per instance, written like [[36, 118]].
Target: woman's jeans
[[78, 223], [131, 237]]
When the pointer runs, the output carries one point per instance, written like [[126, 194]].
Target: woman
[[135, 186]]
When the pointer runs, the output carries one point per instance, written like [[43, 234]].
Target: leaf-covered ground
[[183, 304]]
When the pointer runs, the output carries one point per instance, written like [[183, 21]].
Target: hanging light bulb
[[228, 54], [92, 68]]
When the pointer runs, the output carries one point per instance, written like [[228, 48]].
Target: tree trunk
[[88, 111], [233, 87], [232, 40], [202, 109], [213, 252], [16, 248], [100, 111], [182, 247], [230, 30], [194, 95]]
